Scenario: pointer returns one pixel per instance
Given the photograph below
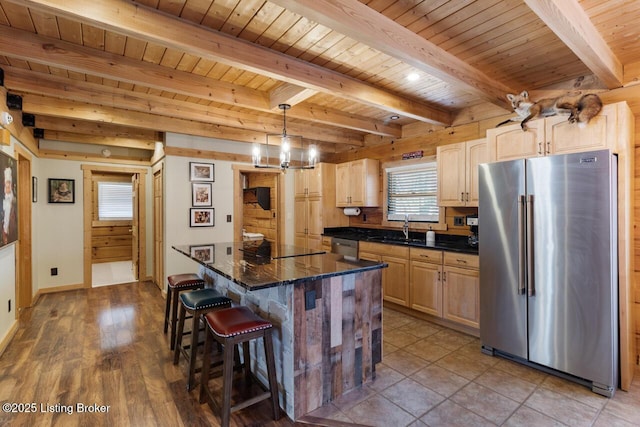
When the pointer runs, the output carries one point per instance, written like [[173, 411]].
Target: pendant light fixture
[[287, 143]]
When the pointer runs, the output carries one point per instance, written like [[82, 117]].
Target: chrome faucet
[[405, 227]]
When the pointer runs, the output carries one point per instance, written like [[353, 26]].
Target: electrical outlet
[[54, 271], [228, 218], [458, 220]]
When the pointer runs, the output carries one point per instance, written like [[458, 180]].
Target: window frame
[[414, 225], [97, 222]]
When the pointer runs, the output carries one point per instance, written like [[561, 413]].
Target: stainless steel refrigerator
[[549, 264]]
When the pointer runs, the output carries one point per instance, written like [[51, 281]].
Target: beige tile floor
[[434, 376]]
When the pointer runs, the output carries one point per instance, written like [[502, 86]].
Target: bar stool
[[229, 327], [176, 284], [197, 303]]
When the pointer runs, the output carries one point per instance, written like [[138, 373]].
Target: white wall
[[177, 196]]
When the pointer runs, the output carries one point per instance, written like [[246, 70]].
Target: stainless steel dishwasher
[[345, 247]]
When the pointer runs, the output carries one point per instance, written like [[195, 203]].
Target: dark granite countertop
[[259, 264], [393, 237]]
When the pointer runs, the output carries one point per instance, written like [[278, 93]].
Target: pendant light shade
[[262, 153]]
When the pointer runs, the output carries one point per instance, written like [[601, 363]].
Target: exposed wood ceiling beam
[[31, 47], [361, 23], [568, 20], [287, 93], [56, 107], [54, 135], [24, 81], [151, 25], [97, 129]]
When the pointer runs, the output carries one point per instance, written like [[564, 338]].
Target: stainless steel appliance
[[548, 265], [346, 247]]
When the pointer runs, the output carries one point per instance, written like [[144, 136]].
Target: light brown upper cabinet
[[458, 172], [358, 183], [553, 135]]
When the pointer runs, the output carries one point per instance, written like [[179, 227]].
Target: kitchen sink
[[393, 239]]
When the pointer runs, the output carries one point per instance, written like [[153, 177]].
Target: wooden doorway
[[88, 172], [24, 279], [158, 226]]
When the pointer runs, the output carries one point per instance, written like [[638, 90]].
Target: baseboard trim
[[8, 337], [55, 289]]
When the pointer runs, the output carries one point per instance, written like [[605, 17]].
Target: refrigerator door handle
[[521, 246], [530, 275]]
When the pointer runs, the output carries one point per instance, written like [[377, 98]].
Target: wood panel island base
[[326, 311]]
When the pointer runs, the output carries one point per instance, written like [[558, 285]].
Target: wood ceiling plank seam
[[153, 53], [513, 39], [419, 11], [203, 67], [447, 13], [172, 7], [260, 22], [394, 9], [528, 51], [490, 27], [93, 37], [195, 10], [293, 34], [134, 48], [45, 23], [18, 16], [171, 58], [318, 49], [187, 63], [223, 72], [218, 14], [241, 16], [4, 20], [458, 22], [494, 40], [302, 46], [269, 38]]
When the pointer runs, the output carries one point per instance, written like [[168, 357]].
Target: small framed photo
[[201, 217], [62, 190], [201, 194], [201, 172], [34, 189], [203, 253]]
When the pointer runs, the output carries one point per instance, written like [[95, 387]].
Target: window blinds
[[115, 201], [413, 190]]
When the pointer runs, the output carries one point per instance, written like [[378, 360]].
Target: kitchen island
[[326, 310]]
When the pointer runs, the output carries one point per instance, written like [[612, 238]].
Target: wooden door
[[511, 142], [476, 153], [395, 279], [158, 226], [357, 183], [300, 226], [563, 137], [343, 185], [135, 182], [451, 175], [461, 295], [426, 287]]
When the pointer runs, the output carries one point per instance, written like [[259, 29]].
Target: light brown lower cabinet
[[446, 285], [395, 278]]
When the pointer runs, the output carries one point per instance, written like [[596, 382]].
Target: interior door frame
[[24, 261], [158, 224], [238, 171], [87, 206]]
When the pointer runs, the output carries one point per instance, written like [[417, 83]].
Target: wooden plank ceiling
[[117, 73]]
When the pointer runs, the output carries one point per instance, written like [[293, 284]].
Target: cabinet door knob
[[438, 276], [462, 196], [548, 147], [540, 148], [461, 260], [444, 276]]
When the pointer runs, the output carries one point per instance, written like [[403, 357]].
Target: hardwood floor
[[103, 346]]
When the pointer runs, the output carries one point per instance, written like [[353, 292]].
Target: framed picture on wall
[[201, 172], [201, 194], [9, 205], [201, 217], [203, 253], [62, 190]]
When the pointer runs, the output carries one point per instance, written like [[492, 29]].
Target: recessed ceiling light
[[412, 77], [394, 117]]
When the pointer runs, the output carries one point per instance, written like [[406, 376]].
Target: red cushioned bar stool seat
[[230, 327], [196, 303], [176, 284]]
